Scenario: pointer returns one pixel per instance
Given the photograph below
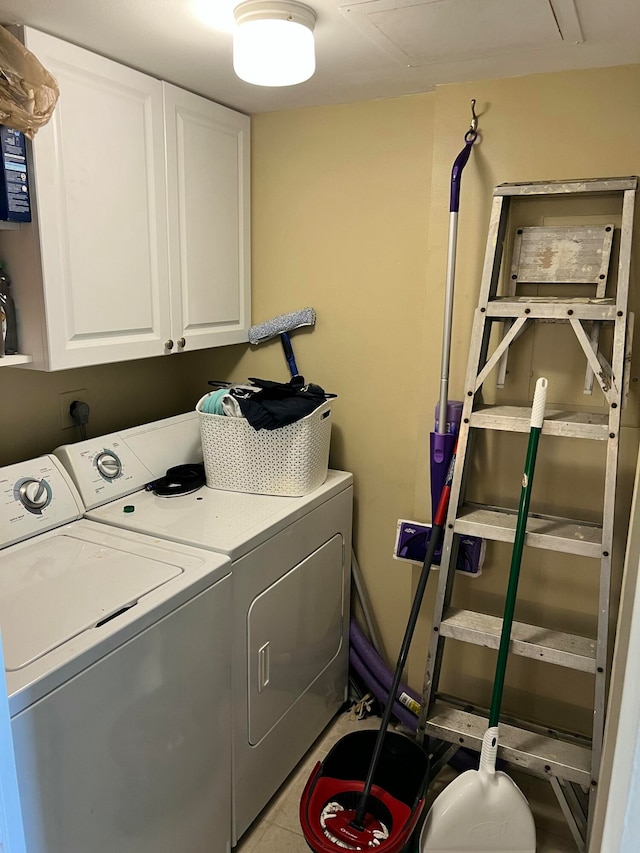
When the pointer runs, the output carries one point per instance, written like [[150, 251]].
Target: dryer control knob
[[108, 465], [34, 495]]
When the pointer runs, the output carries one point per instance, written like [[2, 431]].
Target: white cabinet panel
[[100, 192], [208, 211]]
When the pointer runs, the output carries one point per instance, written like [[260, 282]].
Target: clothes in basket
[[282, 450]]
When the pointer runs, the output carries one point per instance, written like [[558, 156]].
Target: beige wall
[[350, 214], [119, 395]]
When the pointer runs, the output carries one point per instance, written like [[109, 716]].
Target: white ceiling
[[365, 49]]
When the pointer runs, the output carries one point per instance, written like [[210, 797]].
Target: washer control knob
[[34, 495], [108, 465]]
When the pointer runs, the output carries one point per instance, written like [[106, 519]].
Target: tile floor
[[277, 829]]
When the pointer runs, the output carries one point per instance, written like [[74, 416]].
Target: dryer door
[[295, 630]]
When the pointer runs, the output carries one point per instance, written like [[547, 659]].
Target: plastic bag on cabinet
[[28, 92]]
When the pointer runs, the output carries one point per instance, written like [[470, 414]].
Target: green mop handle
[[537, 417]]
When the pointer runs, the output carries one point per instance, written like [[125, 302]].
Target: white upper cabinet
[[208, 214], [140, 238]]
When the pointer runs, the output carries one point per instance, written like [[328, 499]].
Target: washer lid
[[56, 588]]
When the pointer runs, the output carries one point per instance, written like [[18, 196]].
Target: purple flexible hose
[[374, 662]]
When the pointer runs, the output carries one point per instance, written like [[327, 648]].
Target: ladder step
[[548, 308], [553, 534], [529, 641], [594, 185], [556, 421], [538, 753]]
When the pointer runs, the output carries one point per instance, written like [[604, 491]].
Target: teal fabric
[[212, 404]]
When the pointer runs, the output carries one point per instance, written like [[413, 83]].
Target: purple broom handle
[[456, 172]]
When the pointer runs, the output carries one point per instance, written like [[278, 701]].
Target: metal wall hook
[[474, 118]]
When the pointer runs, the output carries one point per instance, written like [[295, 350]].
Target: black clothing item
[[277, 404]]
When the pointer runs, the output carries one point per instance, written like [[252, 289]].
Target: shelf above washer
[[13, 360]]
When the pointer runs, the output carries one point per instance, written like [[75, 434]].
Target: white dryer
[[117, 660], [290, 579]]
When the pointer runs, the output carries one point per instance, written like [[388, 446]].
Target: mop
[[282, 325], [443, 438], [484, 810]]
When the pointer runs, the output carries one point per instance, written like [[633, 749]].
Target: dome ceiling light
[[273, 42]]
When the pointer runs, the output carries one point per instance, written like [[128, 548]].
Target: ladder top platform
[[588, 185]]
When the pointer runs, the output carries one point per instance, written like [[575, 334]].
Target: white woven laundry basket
[[292, 460]]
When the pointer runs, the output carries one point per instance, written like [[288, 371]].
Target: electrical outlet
[[66, 399]]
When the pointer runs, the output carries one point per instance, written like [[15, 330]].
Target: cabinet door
[[208, 210], [101, 208]]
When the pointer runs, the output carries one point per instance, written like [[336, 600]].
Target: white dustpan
[[480, 810]]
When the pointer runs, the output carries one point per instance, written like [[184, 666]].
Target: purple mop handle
[[456, 172], [441, 446]]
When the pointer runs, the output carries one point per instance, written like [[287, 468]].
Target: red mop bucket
[[395, 804]]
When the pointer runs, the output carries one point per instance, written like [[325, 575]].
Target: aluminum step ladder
[[554, 259]]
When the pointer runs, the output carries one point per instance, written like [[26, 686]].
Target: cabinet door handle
[[181, 343], [168, 344], [263, 667]]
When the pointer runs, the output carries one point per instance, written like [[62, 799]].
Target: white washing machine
[[117, 657], [290, 580]]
